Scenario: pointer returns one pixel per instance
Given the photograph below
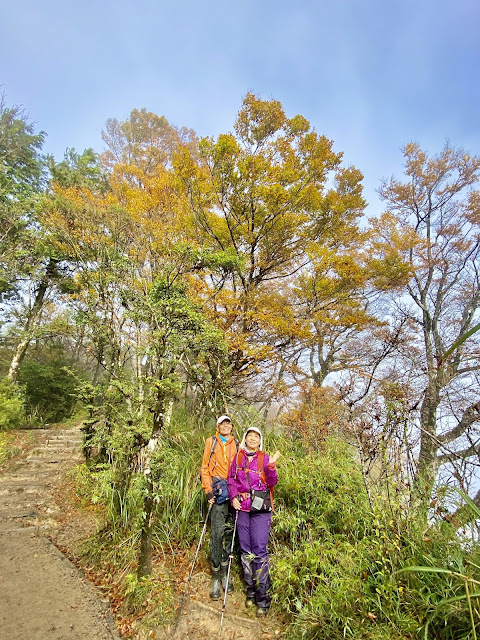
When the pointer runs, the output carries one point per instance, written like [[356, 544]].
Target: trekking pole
[[191, 570], [230, 558]]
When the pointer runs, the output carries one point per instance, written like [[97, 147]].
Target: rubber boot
[[223, 573], [216, 581]]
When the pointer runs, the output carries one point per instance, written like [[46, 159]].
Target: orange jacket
[[218, 463]]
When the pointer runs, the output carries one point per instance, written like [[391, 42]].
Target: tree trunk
[[18, 357], [427, 466], [160, 418], [145, 557], [33, 316]]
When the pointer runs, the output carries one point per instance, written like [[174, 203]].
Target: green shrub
[[339, 569], [11, 405], [49, 389]]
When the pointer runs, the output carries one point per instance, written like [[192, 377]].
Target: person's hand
[[212, 500], [274, 458], [236, 504]]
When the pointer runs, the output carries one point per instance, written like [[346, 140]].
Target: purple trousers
[[253, 531]]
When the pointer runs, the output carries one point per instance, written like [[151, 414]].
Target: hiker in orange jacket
[[218, 454]]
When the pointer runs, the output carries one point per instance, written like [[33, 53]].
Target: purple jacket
[[237, 480]]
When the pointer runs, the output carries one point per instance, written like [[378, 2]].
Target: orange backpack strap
[[261, 463], [240, 456], [261, 466]]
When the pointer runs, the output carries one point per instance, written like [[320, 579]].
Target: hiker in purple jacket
[[251, 476]]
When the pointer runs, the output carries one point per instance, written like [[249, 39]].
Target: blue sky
[[371, 75]]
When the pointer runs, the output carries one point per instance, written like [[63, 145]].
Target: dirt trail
[[42, 594], [201, 617]]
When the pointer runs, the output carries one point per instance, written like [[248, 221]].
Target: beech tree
[[433, 226], [21, 180], [336, 297], [273, 193], [22, 263]]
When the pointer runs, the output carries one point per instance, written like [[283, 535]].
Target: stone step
[[30, 528], [53, 455], [51, 459], [26, 484], [34, 526], [62, 437], [55, 451], [68, 446], [22, 502], [59, 444], [19, 489], [65, 434], [29, 515], [26, 475], [62, 449], [21, 513]]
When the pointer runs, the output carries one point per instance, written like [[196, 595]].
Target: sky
[[372, 75]]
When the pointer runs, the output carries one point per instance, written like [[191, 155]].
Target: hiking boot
[[215, 590], [249, 602], [261, 612]]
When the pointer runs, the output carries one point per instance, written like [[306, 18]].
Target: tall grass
[[340, 568]]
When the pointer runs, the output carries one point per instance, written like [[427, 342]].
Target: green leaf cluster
[[12, 412]]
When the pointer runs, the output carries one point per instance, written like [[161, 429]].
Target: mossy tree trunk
[[160, 417]]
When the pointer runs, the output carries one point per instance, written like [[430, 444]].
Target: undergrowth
[[14, 443], [340, 569], [8, 447]]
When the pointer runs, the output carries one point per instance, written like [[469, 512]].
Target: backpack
[[214, 446], [260, 464]]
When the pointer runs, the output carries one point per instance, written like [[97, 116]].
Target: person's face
[[225, 428], [252, 440]]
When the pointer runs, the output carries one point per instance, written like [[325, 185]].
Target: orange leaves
[[317, 415], [472, 209], [262, 194]]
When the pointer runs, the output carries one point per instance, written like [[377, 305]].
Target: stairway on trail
[[42, 594], [27, 488], [201, 619]]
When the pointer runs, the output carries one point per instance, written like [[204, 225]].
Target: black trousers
[[221, 533]]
